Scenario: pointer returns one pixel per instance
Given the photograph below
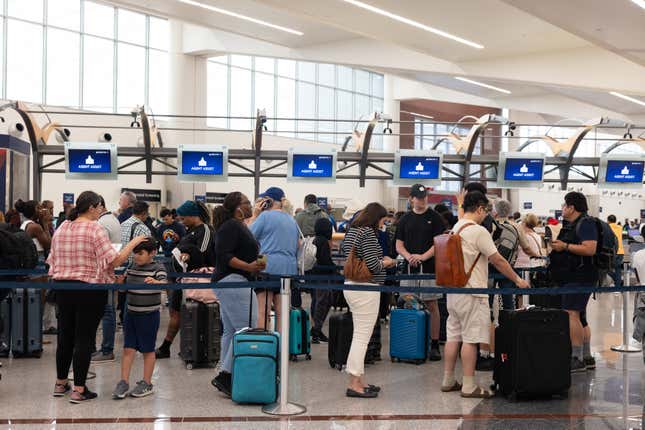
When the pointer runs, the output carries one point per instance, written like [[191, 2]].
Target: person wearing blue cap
[[277, 234], [198, 243]]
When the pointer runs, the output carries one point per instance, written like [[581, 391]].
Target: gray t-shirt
[[112, 226]]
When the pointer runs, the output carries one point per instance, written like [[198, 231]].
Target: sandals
[[479, 393], [365, 394], [455, 387]]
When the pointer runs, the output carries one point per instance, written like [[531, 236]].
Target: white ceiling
[[528, 43]]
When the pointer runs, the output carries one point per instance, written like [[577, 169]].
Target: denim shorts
[[140, 331]]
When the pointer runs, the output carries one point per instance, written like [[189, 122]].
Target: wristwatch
[[567, 248]]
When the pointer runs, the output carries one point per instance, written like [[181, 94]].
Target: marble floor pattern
[[611, 397]]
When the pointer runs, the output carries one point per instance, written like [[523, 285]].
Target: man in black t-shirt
[[415, 242]]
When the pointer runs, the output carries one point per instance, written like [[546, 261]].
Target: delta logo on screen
[[419, 167], [624, 171], [89, 161], [202, 163], [312, 166], [523, 169]]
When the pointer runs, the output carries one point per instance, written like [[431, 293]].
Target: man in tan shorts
[[469, 317]]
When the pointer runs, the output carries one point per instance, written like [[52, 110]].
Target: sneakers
[[85, 396], [434, 354], [223, 382], [589, 362], [142, 389], [577, 366], [485, 364], [103, 358], [318, 336], [121, 390], [162, 353], [61, 389]]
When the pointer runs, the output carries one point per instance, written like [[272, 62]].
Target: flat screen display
[[89, 160], [523, 169], [202, 163], [419, 167], [624, 171], [313, 166]]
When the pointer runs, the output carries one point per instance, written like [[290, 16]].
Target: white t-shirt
[[475, 240]]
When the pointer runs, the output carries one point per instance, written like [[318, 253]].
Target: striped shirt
[[368, 249], [144, 301]]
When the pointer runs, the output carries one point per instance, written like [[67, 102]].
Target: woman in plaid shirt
[[81, 251]]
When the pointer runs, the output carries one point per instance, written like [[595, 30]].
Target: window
[[24, 61], [99, 19], [158, 81], [62, 68], [98, 76], [64, 14], [132, 27], [159, 33], [131, 77], [30, 10], [309, 92]]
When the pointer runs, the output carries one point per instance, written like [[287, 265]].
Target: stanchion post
[[282, 406], [626, 346]]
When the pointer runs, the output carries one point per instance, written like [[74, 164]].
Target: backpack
[[507, 240], [17, 250], [606, 246], [306, 253], [449, 259]]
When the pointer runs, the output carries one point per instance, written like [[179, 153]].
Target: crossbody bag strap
[[470, 272]]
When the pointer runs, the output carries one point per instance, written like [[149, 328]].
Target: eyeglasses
[[486, 209]]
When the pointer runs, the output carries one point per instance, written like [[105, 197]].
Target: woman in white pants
[[364, 305]]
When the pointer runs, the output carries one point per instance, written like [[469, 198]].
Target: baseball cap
[[274, 193], [419, 191]]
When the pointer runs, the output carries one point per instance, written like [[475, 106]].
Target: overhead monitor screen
[[313, 166], [414, 167], [624, 171], [523, 169], [202, 163], [89, 160]]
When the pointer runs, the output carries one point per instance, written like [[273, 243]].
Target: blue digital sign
[[313, 166], [202, 163], [419, 167], [89, 160], [624, 171], [523, 169]]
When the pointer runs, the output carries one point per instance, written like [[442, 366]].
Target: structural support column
[[391, 107]]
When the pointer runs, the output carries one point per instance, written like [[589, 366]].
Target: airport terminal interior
[[319, 108]]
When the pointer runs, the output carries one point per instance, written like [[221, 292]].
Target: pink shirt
[[81, 251]]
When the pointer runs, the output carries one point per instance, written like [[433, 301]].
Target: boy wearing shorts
[[141, 321], [469, 319]]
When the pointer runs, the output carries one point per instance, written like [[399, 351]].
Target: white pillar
[[391, 107]]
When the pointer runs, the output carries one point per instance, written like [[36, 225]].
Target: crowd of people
[[242, 241]]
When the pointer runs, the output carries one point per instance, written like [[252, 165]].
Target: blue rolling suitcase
[[299, 334], [256, 365], [26, 323], [409, 335]]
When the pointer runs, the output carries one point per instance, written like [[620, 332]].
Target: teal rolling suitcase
[[299, 334]]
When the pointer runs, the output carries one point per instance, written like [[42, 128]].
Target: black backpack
[[606, 247], [17, 250]]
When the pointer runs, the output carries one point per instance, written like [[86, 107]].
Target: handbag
[[356, 269]]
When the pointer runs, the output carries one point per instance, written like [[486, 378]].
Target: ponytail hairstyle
[[226, 211], [85, 201], [28, 208], [204, 214]]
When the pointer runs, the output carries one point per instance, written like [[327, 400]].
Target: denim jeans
[[508, 302], [108, 324], [617, 274], [234, 311]]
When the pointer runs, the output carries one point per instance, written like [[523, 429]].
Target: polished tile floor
[[611, 397]]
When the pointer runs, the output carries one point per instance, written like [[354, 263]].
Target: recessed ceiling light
[[481, 84], [413, 23], [240, 16], [640, 3], [624, 97]]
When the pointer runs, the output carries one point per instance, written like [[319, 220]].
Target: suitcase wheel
[[419, 362], [308, 356], [393, 359], [332, 364], [189, 366], [293, 357], [339, 367]]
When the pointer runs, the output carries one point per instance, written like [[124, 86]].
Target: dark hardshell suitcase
[[409, 335], [443, 316], [341, 330], [373, 352], [299, 334], [5, 332], [532, 353], [201, 333], [26, 323]]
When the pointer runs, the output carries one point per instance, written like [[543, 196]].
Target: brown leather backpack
[[449, 259]]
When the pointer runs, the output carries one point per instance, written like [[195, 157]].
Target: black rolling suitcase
[[201, 333], [373, 353], [341, 330], [532, 353], [26, 323]]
